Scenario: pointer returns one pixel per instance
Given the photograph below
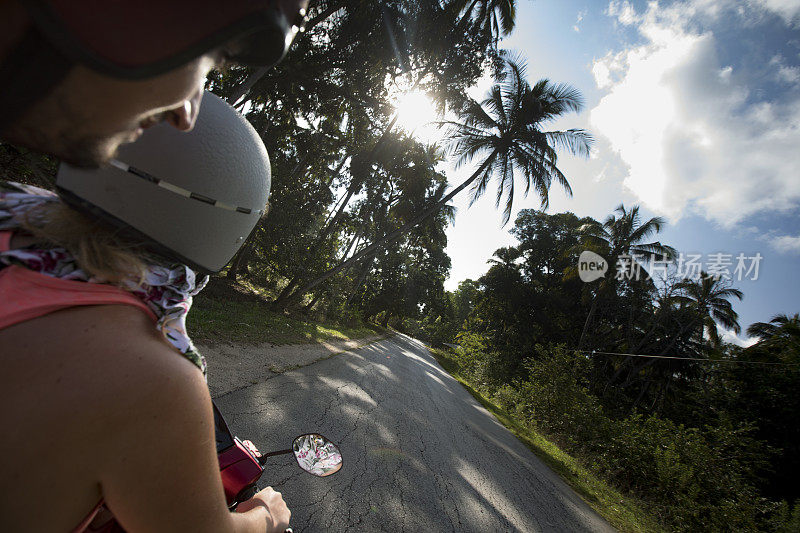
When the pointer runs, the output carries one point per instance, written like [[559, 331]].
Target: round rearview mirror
[[317, 455]]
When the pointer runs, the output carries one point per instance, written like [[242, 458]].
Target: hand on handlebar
[[278, 512]]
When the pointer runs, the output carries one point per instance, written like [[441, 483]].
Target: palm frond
[[575, 141], [563, 98], [762, 330], [651, 227], [655, 250]]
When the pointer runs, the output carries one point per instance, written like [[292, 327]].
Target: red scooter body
[[238, 464], [239, 471]]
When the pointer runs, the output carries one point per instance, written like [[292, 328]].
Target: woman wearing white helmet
[[104, 395]]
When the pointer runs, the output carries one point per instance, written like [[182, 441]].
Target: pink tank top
[[25, 295]]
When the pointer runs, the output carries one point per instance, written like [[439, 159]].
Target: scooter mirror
[[317, 455]]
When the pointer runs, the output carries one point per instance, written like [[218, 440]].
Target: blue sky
[[695, 105]]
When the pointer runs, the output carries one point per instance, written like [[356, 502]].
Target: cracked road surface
[[420, 454]]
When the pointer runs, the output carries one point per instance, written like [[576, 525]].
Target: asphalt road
[[420, 454]]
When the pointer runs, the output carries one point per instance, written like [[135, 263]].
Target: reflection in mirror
[[317, 455]]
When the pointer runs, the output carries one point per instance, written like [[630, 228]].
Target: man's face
[[88, 115]]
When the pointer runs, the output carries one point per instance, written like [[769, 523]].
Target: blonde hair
[[98, 248]]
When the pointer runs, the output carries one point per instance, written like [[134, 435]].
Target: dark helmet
[[137, 39], [144, 38]]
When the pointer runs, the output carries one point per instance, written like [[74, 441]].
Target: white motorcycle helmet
[[195, 196]]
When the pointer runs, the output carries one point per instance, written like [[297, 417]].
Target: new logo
[[591, 266]]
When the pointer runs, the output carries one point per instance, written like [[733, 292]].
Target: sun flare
[[417, 115]]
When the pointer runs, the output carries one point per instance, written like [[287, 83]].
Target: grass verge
[[620, 511], [229, 313]]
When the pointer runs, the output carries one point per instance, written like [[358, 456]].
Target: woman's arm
[[158, 466]]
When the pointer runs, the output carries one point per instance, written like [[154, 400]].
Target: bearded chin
[[88, 152]]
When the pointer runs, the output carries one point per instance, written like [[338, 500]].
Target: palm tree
[[707, 300], [710, 297], [782, 330], [495, 18], [622, 234], [506, 129], [506, 257]]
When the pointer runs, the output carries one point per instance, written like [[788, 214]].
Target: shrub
[[692, 478]]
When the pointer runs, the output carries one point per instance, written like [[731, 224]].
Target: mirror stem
[[263, 458]]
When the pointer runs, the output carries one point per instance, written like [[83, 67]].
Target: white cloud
[[784, 72], [679, 120], [608, 70], [789, 74], [788, 10], [787, 244], [731, 337], [623, 12], [577, 28], [749, 10]]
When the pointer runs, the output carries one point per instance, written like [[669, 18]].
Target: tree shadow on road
[[420, 454]]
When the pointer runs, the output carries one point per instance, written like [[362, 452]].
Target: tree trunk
[[394, 234], [662, 396], [356, 238], [246, 85], [645, 388], [338, 170], [360, 281], [353, 189], [665, 351], [313, 302], [589, 317], [286, 291], [355, 186], [331, 225], [635, 370], [239, 260], [333, 8], [312, 250]]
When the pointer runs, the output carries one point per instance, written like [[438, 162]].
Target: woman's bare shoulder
[[89, 386], [97, 353]]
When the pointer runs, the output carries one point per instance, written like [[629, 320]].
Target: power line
[[700, 359]]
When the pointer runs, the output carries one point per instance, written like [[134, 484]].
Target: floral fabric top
[[167, 290]]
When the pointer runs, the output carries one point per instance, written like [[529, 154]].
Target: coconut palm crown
[[495, 18], [710, 297], [781, 330], [507, 128], [623, 232]]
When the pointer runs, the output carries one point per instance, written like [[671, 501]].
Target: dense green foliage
[[704, 441], [344, 175], [356, 229]]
